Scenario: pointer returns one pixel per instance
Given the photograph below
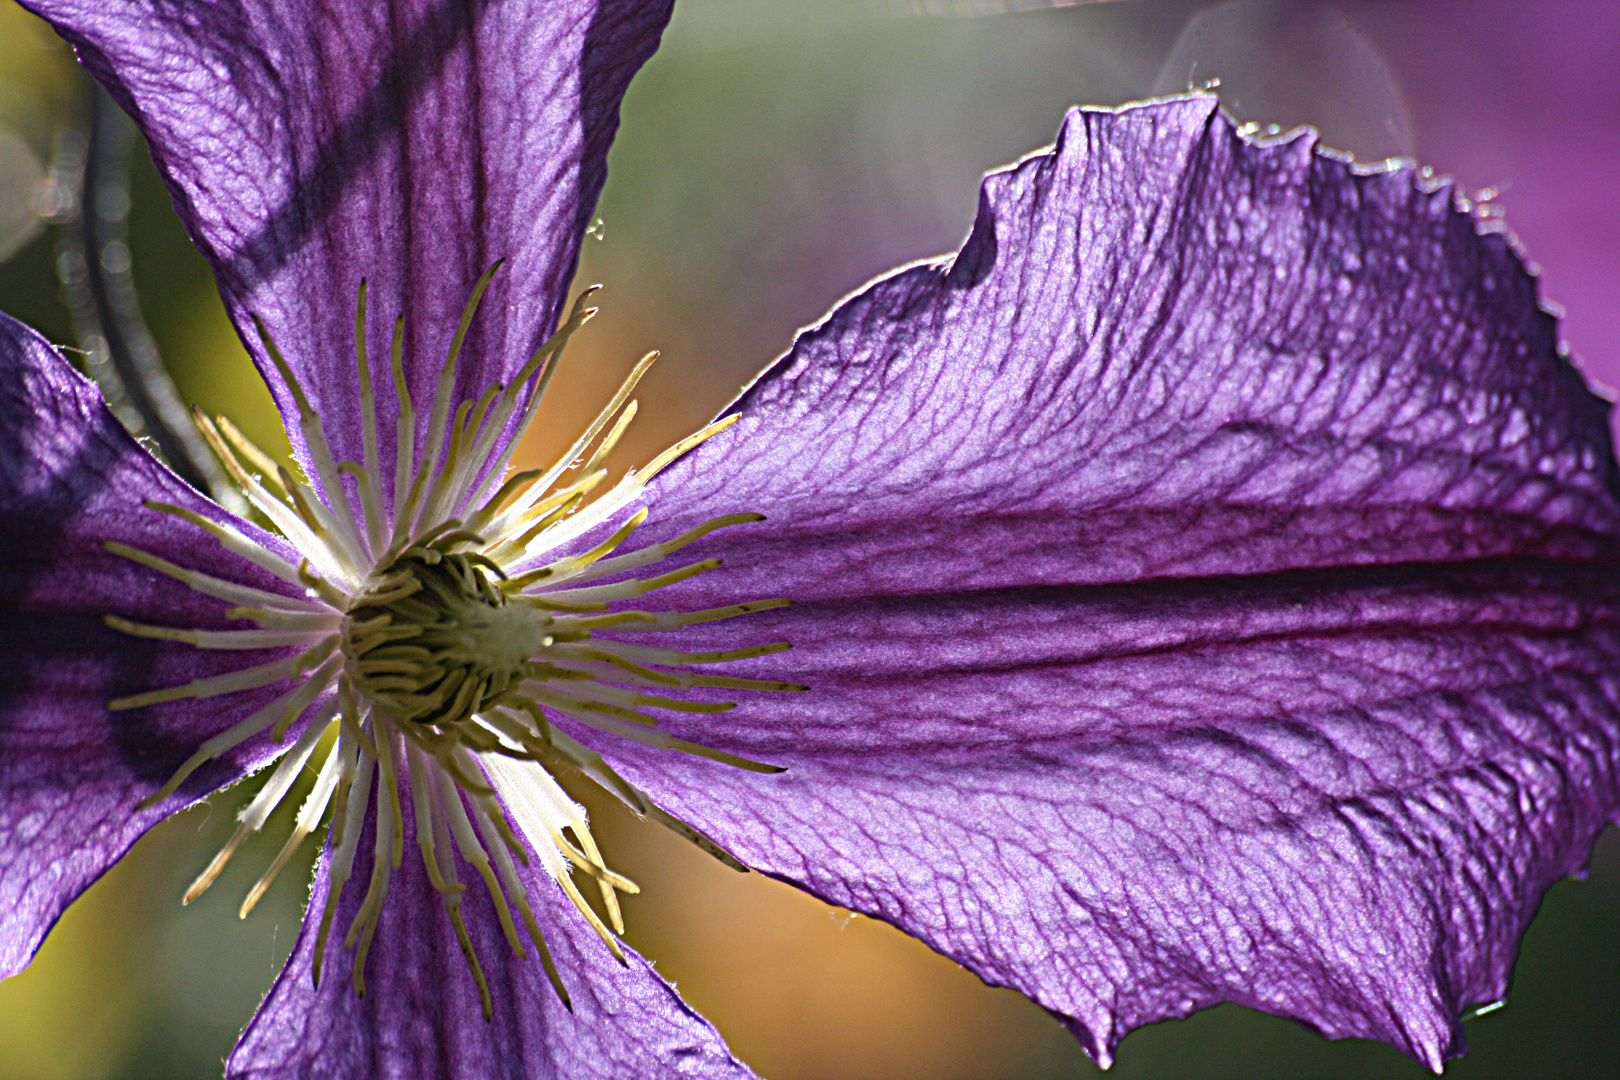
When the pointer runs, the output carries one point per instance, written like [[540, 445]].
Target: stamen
[[659, 552], [336, 531], [309, 425], [571, 503], [294, 523], [366, 919], [447, 486], [473, 852], [279, 712], [440, 792], [232, 541], [326, 621], [662, 461], [218, 639], [611, 439], [487, 512], [628, 590], [422, 773], [565, 749], [526, 510], [619, 398], [320, 587], [674, 620], [405, 428], [395, 815], [674, 656], [345, 840], [433, 450], [247, 679], [244, 446], [268, 798], [366, 476], [452, 906], [606, 547], [540, 368], [520, 899], [211, 586], [309, 816], [365, 483], [628, 725], [536, 802]]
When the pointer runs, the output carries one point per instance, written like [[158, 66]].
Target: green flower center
[[432, 640]]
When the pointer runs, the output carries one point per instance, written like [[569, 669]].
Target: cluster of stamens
[[439, 638]]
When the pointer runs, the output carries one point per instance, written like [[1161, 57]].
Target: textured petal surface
[[310, 145], [421, 1016], [71, 773], [1207, 587]]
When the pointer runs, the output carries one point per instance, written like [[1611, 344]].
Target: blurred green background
[[775, 155]]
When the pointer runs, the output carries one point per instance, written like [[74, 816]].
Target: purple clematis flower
[[1205, 578]]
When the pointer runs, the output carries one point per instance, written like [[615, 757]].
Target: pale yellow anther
[[662, 461]]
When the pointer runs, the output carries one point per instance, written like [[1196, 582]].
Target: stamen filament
[[218, 588], [433, 450], [619, 398], [519, 897], [246, 679], [268, 798], [309, 425], [268, 469], [629, 590], [367, 475], [473, 852], [309, 816], [218, 639], [376, 533], [288, 705], [659, 552], [405, 427], [422, 784], [662, 461], [606, 547], [674, 620], [540, 368], [292, 522], [364, 925], [233, 541], [345, 843]]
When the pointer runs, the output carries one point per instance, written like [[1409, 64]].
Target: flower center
[[450, 637], [432, 640]]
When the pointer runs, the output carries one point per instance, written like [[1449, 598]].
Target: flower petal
[[1207, 593], [310, 145], [71, 773], [421, 1014], [1168, 351]]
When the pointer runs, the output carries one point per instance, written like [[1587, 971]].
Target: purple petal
[[421, 1014], [310, 145], [1206, 587], [71, 773]]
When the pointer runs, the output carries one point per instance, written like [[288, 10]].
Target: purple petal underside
[[412, 143], [71, 773], [421, 1015], [1207, 587]]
